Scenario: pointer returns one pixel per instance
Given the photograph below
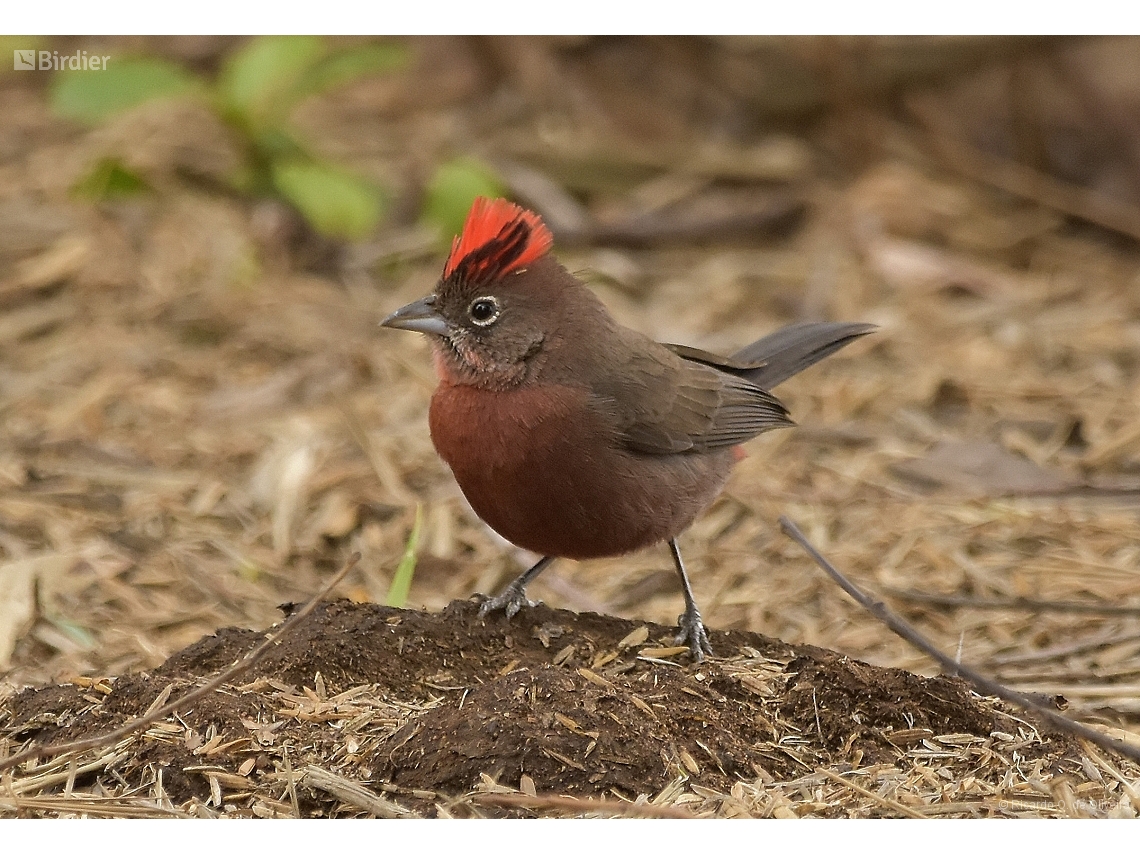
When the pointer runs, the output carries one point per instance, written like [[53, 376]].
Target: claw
[[511, 601], [692, 632]]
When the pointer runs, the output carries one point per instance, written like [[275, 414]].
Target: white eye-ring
[[483, 311]]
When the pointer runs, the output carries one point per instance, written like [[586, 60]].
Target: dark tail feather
[[792, 349]]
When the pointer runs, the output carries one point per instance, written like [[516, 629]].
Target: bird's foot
[[692, 632], [511, 601]]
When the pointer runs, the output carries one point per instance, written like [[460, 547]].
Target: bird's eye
[[484, 311]]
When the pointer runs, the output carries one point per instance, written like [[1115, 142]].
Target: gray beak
[[418, 317]]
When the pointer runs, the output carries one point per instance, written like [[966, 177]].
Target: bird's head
[[496, 301]]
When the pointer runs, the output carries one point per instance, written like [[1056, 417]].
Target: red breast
[[544, 468]]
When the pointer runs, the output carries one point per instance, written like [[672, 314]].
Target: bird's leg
[[514, 597], [692, 627]]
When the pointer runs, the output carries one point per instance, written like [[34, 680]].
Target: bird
[[571, 435]]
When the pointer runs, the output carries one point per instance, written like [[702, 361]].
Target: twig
[[241, 665], [352, 793], [868, 794], [1022, 603], [981, 682], [90, 806], [42, 782]]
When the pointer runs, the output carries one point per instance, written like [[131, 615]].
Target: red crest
[[498, 238]]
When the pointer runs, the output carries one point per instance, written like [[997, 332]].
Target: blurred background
[[199, 417]]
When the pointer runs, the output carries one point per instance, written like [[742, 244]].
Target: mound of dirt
[[437, 710]]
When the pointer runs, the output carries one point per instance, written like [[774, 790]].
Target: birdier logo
[[51, 60]]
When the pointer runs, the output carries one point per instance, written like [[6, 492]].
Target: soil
[[582, 705]]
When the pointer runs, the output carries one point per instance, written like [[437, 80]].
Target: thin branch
[[984, 684], [240, 666], [1021, 603]]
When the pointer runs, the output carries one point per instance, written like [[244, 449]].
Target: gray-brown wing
[[668, 405]]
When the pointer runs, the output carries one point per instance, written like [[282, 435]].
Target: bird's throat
[[459, 363]]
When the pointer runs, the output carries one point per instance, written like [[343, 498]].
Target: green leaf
[[249, 570], [92, 96], [402, 580], [345, 66], [258, 82], [76, 632], [278, 144], [335, 202], [452, 190], [110, 178]]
